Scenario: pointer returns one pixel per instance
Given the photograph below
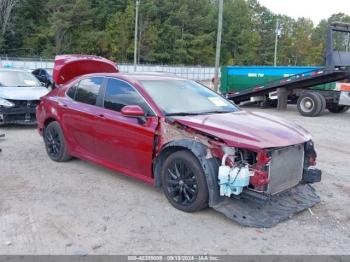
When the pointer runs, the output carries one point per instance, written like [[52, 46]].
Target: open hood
[[68, 67], [248, 130]]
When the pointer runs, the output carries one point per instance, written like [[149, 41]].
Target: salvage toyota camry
[[179, 135]]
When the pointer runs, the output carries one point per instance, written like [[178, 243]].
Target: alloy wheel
[[53, 142], [181, 183]]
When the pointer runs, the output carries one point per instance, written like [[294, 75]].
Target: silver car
[[20, 93]]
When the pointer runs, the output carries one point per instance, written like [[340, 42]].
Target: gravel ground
[[80, 208]]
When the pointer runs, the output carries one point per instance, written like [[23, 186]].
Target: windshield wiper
[[198, 113], [183, 114], [216, 112]]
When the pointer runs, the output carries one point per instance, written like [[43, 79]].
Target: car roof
[[141, 76]]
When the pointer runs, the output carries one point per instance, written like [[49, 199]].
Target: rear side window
[[72, 90], [119, 94], [87, 90]]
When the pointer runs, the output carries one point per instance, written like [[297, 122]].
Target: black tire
[[268, 103], [184, 183], [323, 103], [55, 143], [337, 109], [310, 104]]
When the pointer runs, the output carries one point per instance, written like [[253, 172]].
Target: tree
[[241, 38], [120, 33], [172, 32], [6, 7], [69, 20]]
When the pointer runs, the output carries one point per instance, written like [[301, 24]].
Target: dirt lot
[[81, 208]]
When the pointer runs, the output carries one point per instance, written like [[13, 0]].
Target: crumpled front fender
[[209, 164]]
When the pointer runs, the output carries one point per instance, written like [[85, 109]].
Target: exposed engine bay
[[268, 186], [269, 172], [256, 187]]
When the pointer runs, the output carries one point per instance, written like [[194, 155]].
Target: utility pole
[[136, 32], [218, 45], [276, 41]]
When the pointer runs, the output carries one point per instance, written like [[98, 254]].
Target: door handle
[[101, 115]]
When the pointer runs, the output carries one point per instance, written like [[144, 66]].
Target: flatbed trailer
[[299, 81], [297, 88]]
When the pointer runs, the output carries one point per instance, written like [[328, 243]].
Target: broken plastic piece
[[312, 175], [268, 213]]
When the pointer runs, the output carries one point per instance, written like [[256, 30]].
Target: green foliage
[[170, 31], [120, 33]]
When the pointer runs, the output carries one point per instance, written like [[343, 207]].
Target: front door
[[124, 142]]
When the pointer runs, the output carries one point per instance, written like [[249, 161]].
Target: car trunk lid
[[68, 67]]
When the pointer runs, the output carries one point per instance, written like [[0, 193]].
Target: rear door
[[124, 142], [79, 115]]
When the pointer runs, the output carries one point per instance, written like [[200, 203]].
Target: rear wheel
[[335, 108], [323, 102], [55, 143], [311, 104], [184, 183], [269, 103]]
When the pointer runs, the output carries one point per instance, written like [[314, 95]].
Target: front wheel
[[184, 183], [55, 143]]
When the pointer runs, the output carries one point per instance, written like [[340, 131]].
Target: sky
[[316, 10]]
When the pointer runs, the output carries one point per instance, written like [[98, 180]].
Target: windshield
[[18, 78], [186, 97]]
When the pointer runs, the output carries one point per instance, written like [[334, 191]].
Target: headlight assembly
[[6, 103]]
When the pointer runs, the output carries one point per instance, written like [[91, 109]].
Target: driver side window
[[119, 94]]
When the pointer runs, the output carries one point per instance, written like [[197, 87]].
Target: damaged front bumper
[[265, 212], [18, 115], [266, 202]]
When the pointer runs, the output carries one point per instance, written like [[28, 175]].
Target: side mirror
[[133, 111]]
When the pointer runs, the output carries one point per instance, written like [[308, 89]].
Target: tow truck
[[313, 89]]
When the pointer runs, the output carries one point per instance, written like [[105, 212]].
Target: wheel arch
[[48, 121], [209, 164]]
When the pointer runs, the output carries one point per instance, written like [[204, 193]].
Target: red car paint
[[123, 144], [132, 111], [68, 67], [248, 130]]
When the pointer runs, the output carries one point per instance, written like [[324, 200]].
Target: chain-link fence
[[199, 73]]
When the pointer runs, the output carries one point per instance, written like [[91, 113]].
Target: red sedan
[[179, 135]]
